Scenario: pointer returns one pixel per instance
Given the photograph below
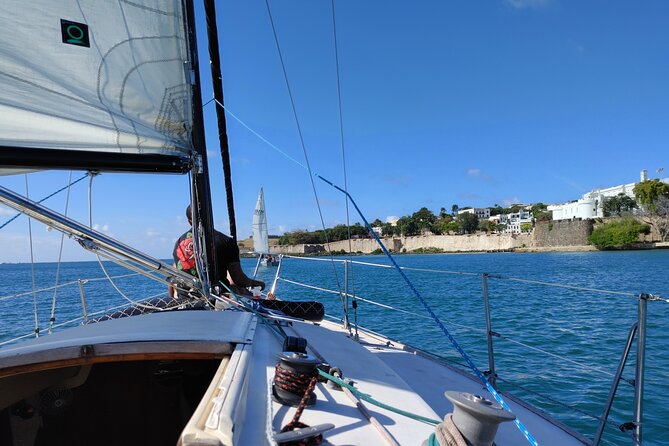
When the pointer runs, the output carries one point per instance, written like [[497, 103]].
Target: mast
[[217, 81], [202, 210]]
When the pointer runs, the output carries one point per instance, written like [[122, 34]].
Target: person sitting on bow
[[229, 270]]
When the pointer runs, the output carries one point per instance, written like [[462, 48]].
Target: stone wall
[[561, 233], [446, 243], [546, 235]]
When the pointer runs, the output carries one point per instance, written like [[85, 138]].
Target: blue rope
[[43, 199], [427, 307]]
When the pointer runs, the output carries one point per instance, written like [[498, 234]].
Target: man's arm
[[240, 279]]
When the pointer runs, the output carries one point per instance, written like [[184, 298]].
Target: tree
[[649, 191], [540, 212], [617, 234], [659, 219], [454, 209], [618, 205], [388, 229], [407, 226], [468, 222], [424, 218], [442, 213], [653, 196], [376, 223], [497, 210], [526, 227]]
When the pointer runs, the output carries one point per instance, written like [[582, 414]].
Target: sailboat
[[114, 87], [261, 233]]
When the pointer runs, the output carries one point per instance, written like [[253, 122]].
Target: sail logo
[[74, 33]]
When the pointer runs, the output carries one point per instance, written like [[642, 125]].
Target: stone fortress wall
[[555, 235]]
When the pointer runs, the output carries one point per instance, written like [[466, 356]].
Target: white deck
[[389, 374], [237, 407]]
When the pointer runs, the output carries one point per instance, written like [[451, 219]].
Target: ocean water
[[559, 347]]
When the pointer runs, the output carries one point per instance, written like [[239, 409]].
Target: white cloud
[[528, 4], [477, 173], [506, 202], [5, 211], [102, 228], [152, 233]]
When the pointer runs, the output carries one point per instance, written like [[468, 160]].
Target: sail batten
[[95, 76]]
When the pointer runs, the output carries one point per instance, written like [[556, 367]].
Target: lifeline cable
[[52, 319], [32, 265]]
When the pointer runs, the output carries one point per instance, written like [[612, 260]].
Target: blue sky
[[443, 102]]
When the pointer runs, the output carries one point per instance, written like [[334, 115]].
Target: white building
[[516, 220], [513, 221], [479, 212], [591, 204]]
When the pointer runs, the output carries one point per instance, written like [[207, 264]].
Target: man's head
[[189, 215]]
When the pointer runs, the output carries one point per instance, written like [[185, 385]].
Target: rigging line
[[436, 319], [18, 214], [74, 282], [299, 131], [557, 285], [32, 264], [97, 254], [558, 402], [579, 364], [372, 302], [52, 317], [343, 151], [262, 138]]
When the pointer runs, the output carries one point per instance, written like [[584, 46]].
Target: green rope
[[369, 399]]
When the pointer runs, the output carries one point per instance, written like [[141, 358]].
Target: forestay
[[106, 76]]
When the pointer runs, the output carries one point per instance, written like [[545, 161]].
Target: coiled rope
[[446, 434]]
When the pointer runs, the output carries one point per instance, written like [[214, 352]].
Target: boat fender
[[474, 420], [295, 344]]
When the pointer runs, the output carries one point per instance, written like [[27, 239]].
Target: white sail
[[95, 75], [260, 231]]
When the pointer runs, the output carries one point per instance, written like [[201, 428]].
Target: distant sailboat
[[261, 233]]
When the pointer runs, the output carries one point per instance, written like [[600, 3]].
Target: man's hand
[[260, 283]]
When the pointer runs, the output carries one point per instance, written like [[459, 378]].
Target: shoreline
[[295, 250]]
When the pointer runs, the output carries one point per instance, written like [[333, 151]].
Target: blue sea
[[558, 349]]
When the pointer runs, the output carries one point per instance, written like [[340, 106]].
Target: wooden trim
[[105, 353]]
